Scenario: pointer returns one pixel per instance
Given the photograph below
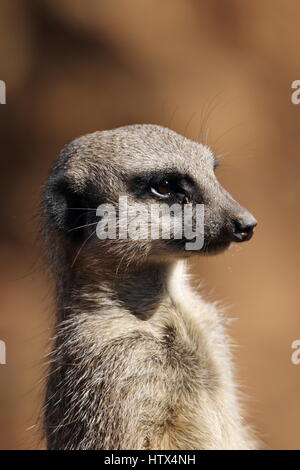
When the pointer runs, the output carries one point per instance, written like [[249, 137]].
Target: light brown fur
[[140, 361]]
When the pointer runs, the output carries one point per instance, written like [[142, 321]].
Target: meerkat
[[140, 361]]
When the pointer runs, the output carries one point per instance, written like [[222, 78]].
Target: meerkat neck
[[141, 292], [138, 292]]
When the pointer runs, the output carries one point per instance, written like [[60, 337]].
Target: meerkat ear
[[66, 204]]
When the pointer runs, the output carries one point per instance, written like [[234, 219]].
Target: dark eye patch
[[172, 185]]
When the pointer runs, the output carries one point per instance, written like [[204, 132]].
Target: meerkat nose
[[243, 226]]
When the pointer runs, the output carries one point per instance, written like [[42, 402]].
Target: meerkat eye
[[162, 189]]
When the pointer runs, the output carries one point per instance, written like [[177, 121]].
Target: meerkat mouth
[[209, 248]]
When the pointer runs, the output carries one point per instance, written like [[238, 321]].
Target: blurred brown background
[[219, 70]]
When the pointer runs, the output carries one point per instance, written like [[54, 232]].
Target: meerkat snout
[[148, 164]]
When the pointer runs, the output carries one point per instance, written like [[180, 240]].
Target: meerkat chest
[[199, 365]]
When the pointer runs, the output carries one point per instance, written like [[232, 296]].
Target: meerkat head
[[107, 188]]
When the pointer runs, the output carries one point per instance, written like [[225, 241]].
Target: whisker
[[220, 156], [206, 114], [172, 117], [206, 136], [82, 226], [82, 246], [194, 114], [234, 127], [81, 209]]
